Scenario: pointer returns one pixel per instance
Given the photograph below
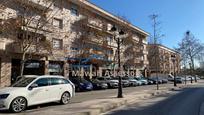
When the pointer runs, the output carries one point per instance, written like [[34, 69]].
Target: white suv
[[34, 90]]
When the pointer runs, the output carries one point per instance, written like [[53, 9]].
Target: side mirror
[[33, 86]]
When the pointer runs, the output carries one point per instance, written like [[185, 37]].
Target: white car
[[34, 90], [111, 82]]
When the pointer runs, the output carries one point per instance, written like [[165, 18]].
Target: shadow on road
[[166, 104]]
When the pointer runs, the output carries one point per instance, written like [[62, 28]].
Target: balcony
[[15, 48], [41, 25], [39, 4]]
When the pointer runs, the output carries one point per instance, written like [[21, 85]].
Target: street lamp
[[173, 58], [119, 42]]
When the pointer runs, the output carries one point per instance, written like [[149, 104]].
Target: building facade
[[79, 33], [163, 60]]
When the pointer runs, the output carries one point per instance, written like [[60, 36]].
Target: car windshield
[[23, 82]]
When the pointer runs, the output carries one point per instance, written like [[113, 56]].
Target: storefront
[[31, 67], [56, 68]]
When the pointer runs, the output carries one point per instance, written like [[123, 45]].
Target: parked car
[[97, 84], [81, 84], [142, 80], [110, 81], [197, 78], [34, 90], [132, 81], [150, 82], [125, 83], [164, 80], [179, 80], [155, 80], [170, 77], [138, 81]]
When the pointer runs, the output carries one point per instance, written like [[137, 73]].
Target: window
[[74, 48], [57, 23], [55, 81], [57, 43], [58, 81], [74, 10], [42, 82], [32, 65]]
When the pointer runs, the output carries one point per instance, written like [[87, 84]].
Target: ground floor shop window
[[31, 67], [55, 68]]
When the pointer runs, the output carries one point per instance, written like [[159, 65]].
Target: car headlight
[[3, 96]]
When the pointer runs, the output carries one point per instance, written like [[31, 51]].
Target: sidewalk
[[98, 106]]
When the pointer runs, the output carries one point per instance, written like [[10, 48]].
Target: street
[[83, 97], [186, 102]]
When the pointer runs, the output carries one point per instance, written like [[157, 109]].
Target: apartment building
[[79, 33], [163, 60]]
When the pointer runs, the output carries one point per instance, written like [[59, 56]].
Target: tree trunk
[[22, 63], [192, 61]]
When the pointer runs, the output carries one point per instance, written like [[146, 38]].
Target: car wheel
[[65, 98], [18, 104]]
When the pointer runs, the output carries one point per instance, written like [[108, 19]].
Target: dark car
[[97, 84], [179, 80], [150, 82], [81, 84], [155, 80]]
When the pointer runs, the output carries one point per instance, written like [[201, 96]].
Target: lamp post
[[119, 42], [173, 58]]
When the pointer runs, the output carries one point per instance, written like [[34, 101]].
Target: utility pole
[[154, 18], [156, 36]]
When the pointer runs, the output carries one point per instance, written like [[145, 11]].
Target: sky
[[175, 16]]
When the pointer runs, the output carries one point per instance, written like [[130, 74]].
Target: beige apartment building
[[80, 36], [166, 60]]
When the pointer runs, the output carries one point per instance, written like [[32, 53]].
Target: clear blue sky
[[176, 16]]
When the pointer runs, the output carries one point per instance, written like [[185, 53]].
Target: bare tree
[[190, 48], [27, 26]]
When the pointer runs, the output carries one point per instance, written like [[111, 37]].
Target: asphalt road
[[186, 102]]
